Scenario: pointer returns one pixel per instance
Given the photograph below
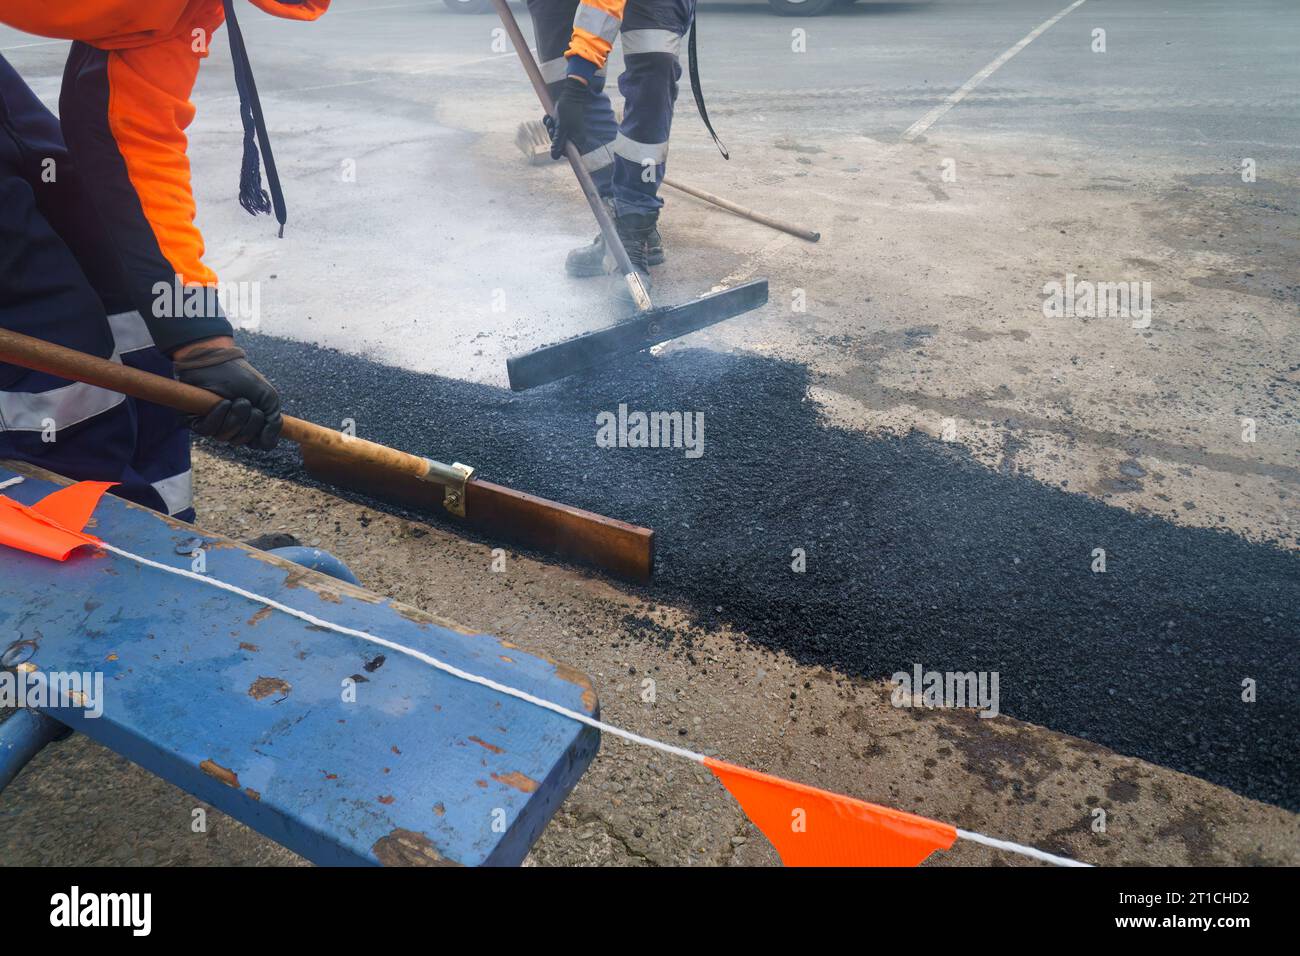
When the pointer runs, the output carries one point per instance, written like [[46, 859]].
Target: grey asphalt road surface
[[946, 455]]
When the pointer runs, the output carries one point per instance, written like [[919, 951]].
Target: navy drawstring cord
[[694, 66], [251, 194]]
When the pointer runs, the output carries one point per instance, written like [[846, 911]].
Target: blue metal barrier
[[343, 751], [21, 738], [317, 560]]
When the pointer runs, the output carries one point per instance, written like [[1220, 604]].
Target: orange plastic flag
[[72, 506], [811, 827], [52, 526]]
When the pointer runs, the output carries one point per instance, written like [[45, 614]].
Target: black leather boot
[[593, 259]]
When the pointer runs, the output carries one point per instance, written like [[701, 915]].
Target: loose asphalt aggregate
[[915, 552]]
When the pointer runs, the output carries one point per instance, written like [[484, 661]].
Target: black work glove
[[570, 120], [250, 411]]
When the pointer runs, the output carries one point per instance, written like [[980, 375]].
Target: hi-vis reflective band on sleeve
[[130, 334], [72, 404], [595, 25], [66, 405], [596, 22], [808, 826], [177, 491]]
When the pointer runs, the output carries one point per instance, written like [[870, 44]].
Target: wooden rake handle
[[619, 548], [41, 356]]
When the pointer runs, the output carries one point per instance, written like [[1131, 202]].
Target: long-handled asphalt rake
[[534, 141], [411, 481], [650, 325]]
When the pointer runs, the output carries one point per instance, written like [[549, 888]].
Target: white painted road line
[[24, 46], [930, 118]]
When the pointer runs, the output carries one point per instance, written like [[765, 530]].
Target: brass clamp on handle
[[453, 478]]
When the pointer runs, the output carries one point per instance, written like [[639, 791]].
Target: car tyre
[[802, 8], [469, 6]]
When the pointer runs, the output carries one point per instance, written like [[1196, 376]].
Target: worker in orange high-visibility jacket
[[627, 160], [99, 250]]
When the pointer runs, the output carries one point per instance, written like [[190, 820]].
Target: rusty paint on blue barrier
[[281, 724]]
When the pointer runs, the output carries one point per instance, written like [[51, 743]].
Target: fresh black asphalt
[[915, 552]]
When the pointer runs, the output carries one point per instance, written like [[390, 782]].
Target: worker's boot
[[636, 230], [594, 259], [588, 261], [654, 248]]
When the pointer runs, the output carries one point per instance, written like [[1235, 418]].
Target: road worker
[[97, 233], [627, 159]]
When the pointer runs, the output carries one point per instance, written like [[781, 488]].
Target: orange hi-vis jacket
[[124, 109], [595, 28]]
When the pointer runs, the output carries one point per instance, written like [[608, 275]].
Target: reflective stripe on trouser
[[59, 281], [652, 37], [553, 26]]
